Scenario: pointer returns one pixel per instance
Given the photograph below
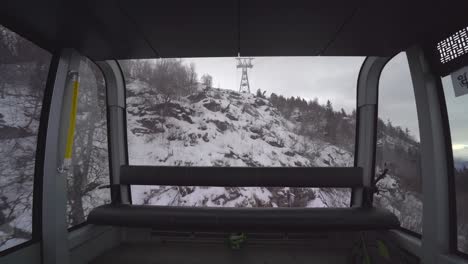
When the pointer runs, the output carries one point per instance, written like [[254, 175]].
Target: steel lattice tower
[[244, 64]]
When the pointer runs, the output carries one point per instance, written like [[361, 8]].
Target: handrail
[[337, 177]]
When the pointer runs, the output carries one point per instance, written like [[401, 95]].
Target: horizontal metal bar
[[176, 218], [242, 176]]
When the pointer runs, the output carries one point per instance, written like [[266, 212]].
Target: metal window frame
[[452, 202], [447, 138], [368, 102], [54, 192], [117, 121], [423, 80], [388, 59], [452, 199], [367, 116], [60, 243], [439, 228], [125, 132]]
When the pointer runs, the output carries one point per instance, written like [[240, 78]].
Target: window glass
[[456, 108], [23, 73], [398, 146], [268, 111], [90, 161]]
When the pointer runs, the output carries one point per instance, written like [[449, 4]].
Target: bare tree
[[207, 80], [90, 161]]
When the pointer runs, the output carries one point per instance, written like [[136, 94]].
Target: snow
[[406, 205], [238, 137], [316, 203], [220, 127], [17, 150]]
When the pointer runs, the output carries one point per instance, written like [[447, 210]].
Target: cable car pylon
[[244, 64]]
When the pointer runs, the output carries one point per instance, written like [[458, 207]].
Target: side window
[[90, 162], [398, 173], [23, 74], [456, 108]]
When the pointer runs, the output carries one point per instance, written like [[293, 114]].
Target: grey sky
[[327, 78], [397, 103], [335, 79], [458, 119], [396, 95]]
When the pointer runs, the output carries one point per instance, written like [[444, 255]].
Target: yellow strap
[[71, 127]]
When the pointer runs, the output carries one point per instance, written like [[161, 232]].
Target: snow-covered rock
[[217, 127]]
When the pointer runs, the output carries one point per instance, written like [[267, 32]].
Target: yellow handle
[[71, 127]]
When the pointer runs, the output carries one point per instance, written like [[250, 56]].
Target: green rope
[[236, 240]]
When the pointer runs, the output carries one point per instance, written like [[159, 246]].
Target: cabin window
[[23, 73], [456, 108], [398, 171], [90, 161], [259, 112]]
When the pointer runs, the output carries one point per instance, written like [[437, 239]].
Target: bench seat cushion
[[242, 219]]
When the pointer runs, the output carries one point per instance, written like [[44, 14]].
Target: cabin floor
[[200, 253], [145, 246], [151, 247]]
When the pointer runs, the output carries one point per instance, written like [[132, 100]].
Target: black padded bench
[[242, 219]]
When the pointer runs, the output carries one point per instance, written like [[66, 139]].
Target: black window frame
[[125, 132], [390, 58]]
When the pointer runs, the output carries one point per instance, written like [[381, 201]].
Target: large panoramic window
[[398, 170], [23, 73], [456, 108], [247, 112], [90, 162]]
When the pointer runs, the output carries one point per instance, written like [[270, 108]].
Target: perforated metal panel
[[453, 46]]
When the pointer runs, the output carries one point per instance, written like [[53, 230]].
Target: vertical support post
[[367, 100], [54, 200], [436, 224], [117, 123]]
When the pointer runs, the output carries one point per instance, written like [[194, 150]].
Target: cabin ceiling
[[122, 29]]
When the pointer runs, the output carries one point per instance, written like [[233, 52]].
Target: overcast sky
[[396, 95], [335, 79], [458, 119], [325, 78]]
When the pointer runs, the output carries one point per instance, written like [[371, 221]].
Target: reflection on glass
[[456, 108], [398, 149], [90, 163], [249, 112], [23, 73]]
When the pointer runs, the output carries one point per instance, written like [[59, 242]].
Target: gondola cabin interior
[[234, 131]]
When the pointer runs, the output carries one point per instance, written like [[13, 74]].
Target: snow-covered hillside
[[405, 204], [17, 149], [400, 189], [216, 127]]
